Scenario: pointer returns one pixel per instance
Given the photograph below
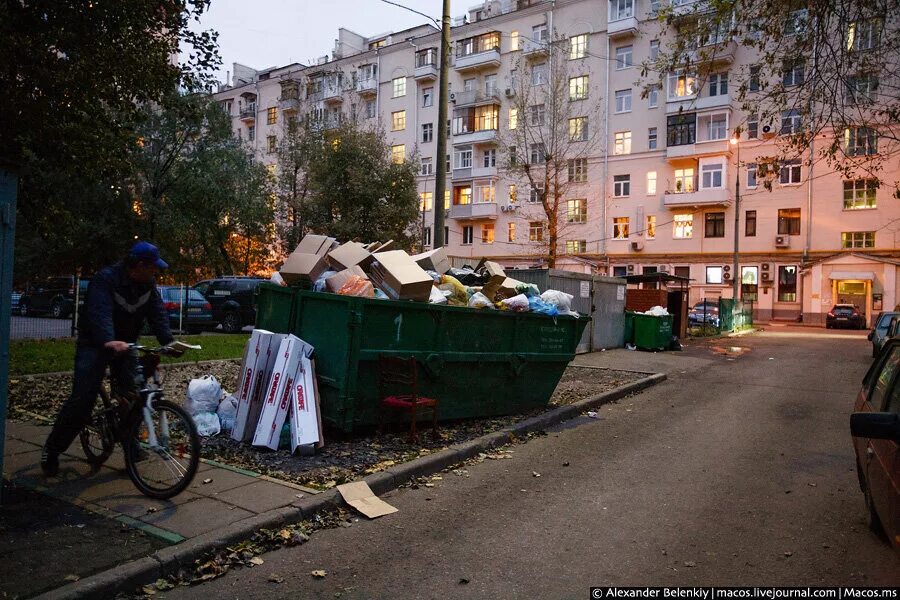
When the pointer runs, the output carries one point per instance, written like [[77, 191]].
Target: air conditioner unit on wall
[[452, 97], [768, 132], [630, 268], [510, 92], [663, 268], [765, 266], [782, 241], [766, 276], [726, 276], [636, 246]]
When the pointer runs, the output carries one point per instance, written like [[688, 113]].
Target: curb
[[170, 559]]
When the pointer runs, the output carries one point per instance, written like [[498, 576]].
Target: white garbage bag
[[561, 300], [207, 424], [516, 303], [657, 311], [479, 300], [203, 395], [227, 412], [437, 297]]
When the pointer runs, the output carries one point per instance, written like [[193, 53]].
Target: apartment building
[[657, 192]]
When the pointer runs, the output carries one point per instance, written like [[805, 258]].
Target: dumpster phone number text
[[724, 593]]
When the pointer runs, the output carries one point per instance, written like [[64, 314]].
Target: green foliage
[[296, 150]]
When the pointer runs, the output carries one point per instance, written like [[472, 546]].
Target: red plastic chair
[[401, 374]]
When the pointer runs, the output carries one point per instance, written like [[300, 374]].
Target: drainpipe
[[378, 85], [605, 184], [812, 160]]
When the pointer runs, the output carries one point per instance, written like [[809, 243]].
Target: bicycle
[[158, 437]]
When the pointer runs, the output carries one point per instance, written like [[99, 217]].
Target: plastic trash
[[592, 414], [278, 279], [357, 286], [630, 347], [203, 395], [467, 276], [379, 295], [529, 289], [437, 297], [536, 305], [516, 303], [458, 294], [227, 412], [479, 300], [319, 285], [561, 300], [434, 275], [207, 424], [657, 311]]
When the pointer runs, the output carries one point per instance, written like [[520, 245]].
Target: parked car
[[233, 300], [54, 296], [705, 312], [879, 332], [875, 427], [844, 316], [194, 310]]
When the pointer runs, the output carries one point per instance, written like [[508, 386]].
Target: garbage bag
[[467, 276], [437, 297], [319, 285], [561, 300], [458, 294], [536, 305], [479, 300], [379, 295], [207, 423], [434, 275], [203, 395], [657, 311], [516, 303], [227, 412], [357, 286], [529, 289]]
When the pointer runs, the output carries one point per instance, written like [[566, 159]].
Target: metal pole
[[735, 276], [180, 307], [8, 184], [75, 310], [440, 183]]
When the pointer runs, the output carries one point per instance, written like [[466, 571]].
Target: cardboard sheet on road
[[361, 497]]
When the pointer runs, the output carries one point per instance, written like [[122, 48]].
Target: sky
[[269, 33]]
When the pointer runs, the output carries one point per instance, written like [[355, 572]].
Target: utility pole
[[735, 275], [440, 183]]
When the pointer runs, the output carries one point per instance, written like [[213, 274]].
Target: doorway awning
[[856, 275]]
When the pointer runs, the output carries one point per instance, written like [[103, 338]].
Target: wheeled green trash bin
[[651, 332]]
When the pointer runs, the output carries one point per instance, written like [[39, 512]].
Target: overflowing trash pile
[[656, 311], [373, 271]]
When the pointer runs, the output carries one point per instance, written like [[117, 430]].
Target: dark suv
[[233, 300], [54, 296]]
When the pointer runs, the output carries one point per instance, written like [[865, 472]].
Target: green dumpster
[[652, 333], [477, 363], [629, 327]]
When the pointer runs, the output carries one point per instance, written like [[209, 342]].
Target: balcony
[[248, 112], [718, 53], [475, 98], [683, 8], [333, 93], [698, 198], [479, 60], [475, 137], [534, 48], [482, 210], [289, 105], [702, 103], [622, 28], [698, 149], [474, 173], [367, 87], [426, 72]]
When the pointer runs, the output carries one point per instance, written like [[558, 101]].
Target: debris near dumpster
[[397, 275], [337, 281], [349, 255], [277, 393], [357, 286], [361, 497], [307, 261], [435, 260]]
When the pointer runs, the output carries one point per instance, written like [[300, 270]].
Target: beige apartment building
[[656, 194]]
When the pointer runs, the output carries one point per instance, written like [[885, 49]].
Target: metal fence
[[713, 316]]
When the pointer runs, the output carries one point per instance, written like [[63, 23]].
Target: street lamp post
[[735, 274]]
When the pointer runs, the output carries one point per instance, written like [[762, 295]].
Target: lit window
[[578, 87], [578, 129], [578, 46], [620, 228], [487, 233], [651, 183], [576, 211], [684, 181], [864, 35], [860, 194], [577, 168], [623, 101], [513, 118], [860, 141], [399, 86], [398, 120], [650, 232], [513, 41], [425, 201], [789, 221], [576, 246], [535, 231], [622, 143], [398, 153], [683, 227], [462, 196], [682, 85], [857, 239], [714, 275], [511, 232], [621, 186], [512, 193], [271, 116]]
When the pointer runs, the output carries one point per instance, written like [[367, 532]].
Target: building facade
[[656, 193]]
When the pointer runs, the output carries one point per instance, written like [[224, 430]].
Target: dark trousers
[[75, 413]]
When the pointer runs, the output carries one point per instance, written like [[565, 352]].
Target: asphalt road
[[736, 471]]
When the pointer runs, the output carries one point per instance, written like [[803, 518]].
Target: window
[[789, 221], [489, 158], [578, 87], [793, 72], [426, 166], [398, 120], [749, 283], [251, 132], [620, 271], [863, 35], [539, 74], [537, 154], [654, 49], [540, 33], [716, 126], [623, 101], [398, 153], [620, 228], [650, 232], [271, 116], [682, 85], [718, 84], [447, 162], [513, 41], [427, 132], [426, 201], [861, 89], [681, 130], [791, 122], [462, 158], [787, 283], [370, 109], [715, 225], [576, 211], [714, 275], [536, 194], [622, 143], [578, 129], [467, 235], [578, 46], [621, 186], [752, 127], [651, 183], [535, 231], [485, 193], [651, 138], [653, 97], [511, 232], [624, 57], [462, 196], [750, 223], [577, 170], [857, 239], [425, 57], [684, 181], [683, 227], [751, 175], [649, 285], [537, 113], [790, 172], [487, 233], [490, 84], [513, 117], [426, 236], [795, 22], [860, 141], [399, 86], [576, 246], [753, 83], [620, 9], [428, 97], [271, 142], [513, 196], [712, 175], [860, 194]]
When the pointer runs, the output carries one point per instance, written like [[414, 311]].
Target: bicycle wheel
[[98, 438], [162, 450]]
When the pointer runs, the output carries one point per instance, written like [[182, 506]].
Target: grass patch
[[28, 357]]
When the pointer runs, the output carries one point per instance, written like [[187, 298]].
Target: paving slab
[[14, 446], [196, 517], [222, 480], [16, 464], [260, 496], [36, 434], [134, 504]]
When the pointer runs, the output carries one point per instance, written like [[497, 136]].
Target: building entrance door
[[854, 292]]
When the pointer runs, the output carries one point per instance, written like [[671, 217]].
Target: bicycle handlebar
[[160, 350]]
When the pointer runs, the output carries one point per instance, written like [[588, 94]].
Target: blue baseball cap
[[148, 252]]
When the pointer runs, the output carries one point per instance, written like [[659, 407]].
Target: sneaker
[[49, 462]]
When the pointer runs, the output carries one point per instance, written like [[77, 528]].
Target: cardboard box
[[499, 288], [398, 276], [256, 357], [435, 260], [336, 281], [303, 267], [493, 269], [349, 255], [306, 419], [276, 400], [314, 244], [263, 374]]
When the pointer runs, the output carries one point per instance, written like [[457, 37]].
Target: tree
[[825, 75], [296, 150], [553, 131], [357, 192]]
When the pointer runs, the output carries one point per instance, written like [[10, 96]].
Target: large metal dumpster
[[475, 362]]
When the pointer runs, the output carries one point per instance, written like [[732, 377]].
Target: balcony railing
[[367, 86], [476, 97], [622, 27], [479, 60], [707, 197], [248, 111], [333, 92], [289, 104], [475, 137], [535, 48], [699, 149], [480, 210], [426, 71], [701, 103]]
